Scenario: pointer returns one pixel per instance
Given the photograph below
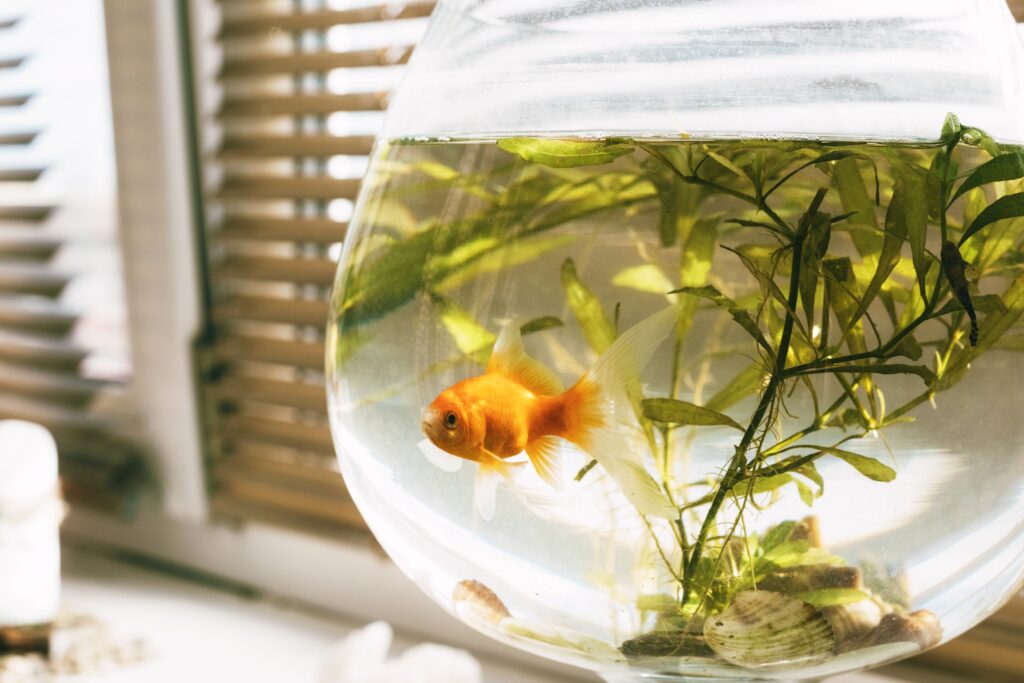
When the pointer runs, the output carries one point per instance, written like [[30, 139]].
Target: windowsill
[[191, 629]]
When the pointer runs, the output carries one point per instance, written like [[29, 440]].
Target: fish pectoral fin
[[543, 454], [491, 470], [439, 458], [485, 491], [509, 359]]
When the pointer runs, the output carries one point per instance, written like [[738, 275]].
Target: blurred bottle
[[30, 514]]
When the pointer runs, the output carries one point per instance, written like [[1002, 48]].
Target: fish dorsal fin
[[509, 358]]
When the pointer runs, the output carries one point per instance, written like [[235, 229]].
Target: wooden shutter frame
[[269, 243]]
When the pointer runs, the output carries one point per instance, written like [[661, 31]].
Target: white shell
[[766, 629]]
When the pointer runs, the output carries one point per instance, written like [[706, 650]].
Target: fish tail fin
[[613, 452], [626, 358], [491, 470], [588, 404], [591, 402]]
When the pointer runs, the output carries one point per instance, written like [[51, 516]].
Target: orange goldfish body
[[519, 405]]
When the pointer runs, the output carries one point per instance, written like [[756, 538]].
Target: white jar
[[30, 514]]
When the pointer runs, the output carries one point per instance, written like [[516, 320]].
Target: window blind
[[288, 109], [63, 352]]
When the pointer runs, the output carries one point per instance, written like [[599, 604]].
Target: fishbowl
[[681, 340]]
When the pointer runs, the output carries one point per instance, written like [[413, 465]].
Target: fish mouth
[[428, 422]]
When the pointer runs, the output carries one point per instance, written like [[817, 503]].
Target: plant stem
[[739, 460]]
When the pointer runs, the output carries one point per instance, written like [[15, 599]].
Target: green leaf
[[992, 329], [762, 484], [695, 266], [915, 217], [1004, 167], [845, 299], [673, 411], [983, 303], [815, 246], [869, 467], [876, 369], [566, 153], [808, 470], [747, 382], [839, 269], [806, 494], [471, 338], [437, 170], [493, 257], [646, 278], [768, 285], [908, 348], [656, 602], [777, 534], [853, 193], [726, 163], [597, 327], [389, 278], [540, 324], [979, 138], [832, 597], [951, 128], [669, 194], [738, 314], [896, 224], [1010, 206], [834, 155], [788, 554]]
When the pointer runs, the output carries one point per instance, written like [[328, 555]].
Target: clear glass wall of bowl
[[791, 282]]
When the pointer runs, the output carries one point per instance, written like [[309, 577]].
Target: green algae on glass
[[867, 272]]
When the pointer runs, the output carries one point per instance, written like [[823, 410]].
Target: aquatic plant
[[862, 265]]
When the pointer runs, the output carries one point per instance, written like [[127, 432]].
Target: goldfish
[[518, 405]]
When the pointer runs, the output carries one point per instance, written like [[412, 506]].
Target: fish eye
[[450, 419]]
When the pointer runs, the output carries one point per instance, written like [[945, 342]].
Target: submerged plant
[[861, 266]]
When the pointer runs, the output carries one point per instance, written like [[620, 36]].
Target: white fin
[[485, 487], [485, 491], [609, 448], [613, 373], [629, 354], [543, 454], [440, 459], [509, 358]]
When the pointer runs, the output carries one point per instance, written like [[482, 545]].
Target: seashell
[[766, 629], [475, 602], [852, 622]]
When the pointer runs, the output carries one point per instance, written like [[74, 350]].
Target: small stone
[[812, 577], [921, 627], [666, 644]]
